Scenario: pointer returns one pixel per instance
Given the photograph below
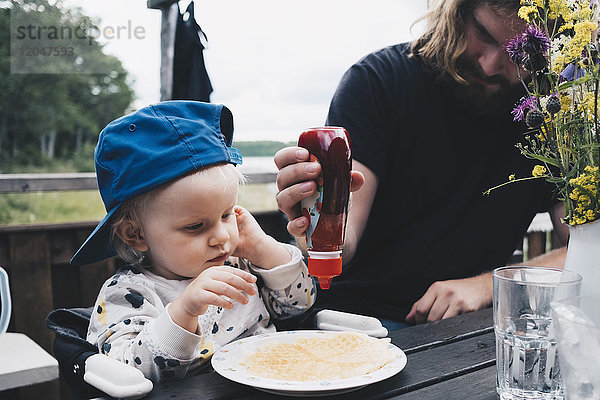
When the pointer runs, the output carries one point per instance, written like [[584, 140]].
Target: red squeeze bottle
[[327, 210]]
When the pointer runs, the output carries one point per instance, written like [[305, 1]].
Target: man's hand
[[296, 181], [446, 299]]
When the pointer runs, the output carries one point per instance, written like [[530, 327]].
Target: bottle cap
[[324, 265]]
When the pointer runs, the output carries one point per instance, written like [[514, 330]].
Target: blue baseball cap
[[145, 149]]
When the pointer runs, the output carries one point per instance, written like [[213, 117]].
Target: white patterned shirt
[[130, 321]]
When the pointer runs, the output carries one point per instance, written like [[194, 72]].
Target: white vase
[[583, 255]]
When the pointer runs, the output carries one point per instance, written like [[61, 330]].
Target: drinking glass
[[577, 323], [527, 364]]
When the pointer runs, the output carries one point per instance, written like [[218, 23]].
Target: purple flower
[[536, 40], [572, 72], [514, 48], [529, 48], [526, 103]]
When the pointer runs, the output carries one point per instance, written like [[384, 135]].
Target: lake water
[[252, 165], [258, 197]]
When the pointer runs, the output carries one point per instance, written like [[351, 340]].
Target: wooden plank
[[48, 227], [478, 385], [168, 24], [158, 4], [64, 243], [437, 333], [4, 249], [22, 183], [536, 244], [206, 386], [31, 285], [65, 286]]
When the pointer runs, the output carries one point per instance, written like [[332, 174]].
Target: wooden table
[[449, 359]]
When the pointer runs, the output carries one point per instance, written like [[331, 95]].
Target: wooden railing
[[36, 258]]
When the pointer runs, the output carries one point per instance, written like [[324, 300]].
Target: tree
[[50, 106]]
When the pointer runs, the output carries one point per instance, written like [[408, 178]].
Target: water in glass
[[527, 360]]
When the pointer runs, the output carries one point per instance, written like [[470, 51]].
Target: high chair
[[88, 373]]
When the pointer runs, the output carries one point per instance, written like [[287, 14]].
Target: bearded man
[[431, 130]]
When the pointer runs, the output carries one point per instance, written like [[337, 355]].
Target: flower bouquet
[[559, 53]]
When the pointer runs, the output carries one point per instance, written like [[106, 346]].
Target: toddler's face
[[189, 224]]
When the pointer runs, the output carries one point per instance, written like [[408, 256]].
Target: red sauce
[[331, 148]]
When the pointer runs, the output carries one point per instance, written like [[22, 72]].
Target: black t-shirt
[[430, 220]]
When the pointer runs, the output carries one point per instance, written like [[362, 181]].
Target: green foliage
[[49, 119], [27, 208], [261, 148]]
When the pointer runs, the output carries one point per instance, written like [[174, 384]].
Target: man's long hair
[[445, 36]]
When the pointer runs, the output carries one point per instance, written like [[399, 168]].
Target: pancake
[[331, 356]]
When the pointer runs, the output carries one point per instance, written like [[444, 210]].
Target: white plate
[[226, 363]]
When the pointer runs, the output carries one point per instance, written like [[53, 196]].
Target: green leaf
[[545, 159], [580, 81]]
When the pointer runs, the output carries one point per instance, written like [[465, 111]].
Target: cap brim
[[97, 246]]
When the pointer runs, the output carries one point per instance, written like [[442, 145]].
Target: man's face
[[492, 77]]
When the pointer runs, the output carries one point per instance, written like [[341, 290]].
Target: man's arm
[[446, 299], [554, 258], [359, 210]]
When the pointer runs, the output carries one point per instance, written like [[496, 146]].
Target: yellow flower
[[584, 193], [538, 170], [574, 195], [585, 12], [558, 8], [525, 12], [565, 102], [587, 105], [583, 36], [590, 215]]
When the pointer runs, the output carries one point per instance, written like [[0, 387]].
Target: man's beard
[[481, 99]]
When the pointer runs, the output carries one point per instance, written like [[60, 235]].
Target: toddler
[[201, 271]]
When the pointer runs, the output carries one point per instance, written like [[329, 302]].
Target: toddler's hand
[[208, 288], [251, 234], [255, 245]]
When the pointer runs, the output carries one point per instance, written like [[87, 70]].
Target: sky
[[274, 63]]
